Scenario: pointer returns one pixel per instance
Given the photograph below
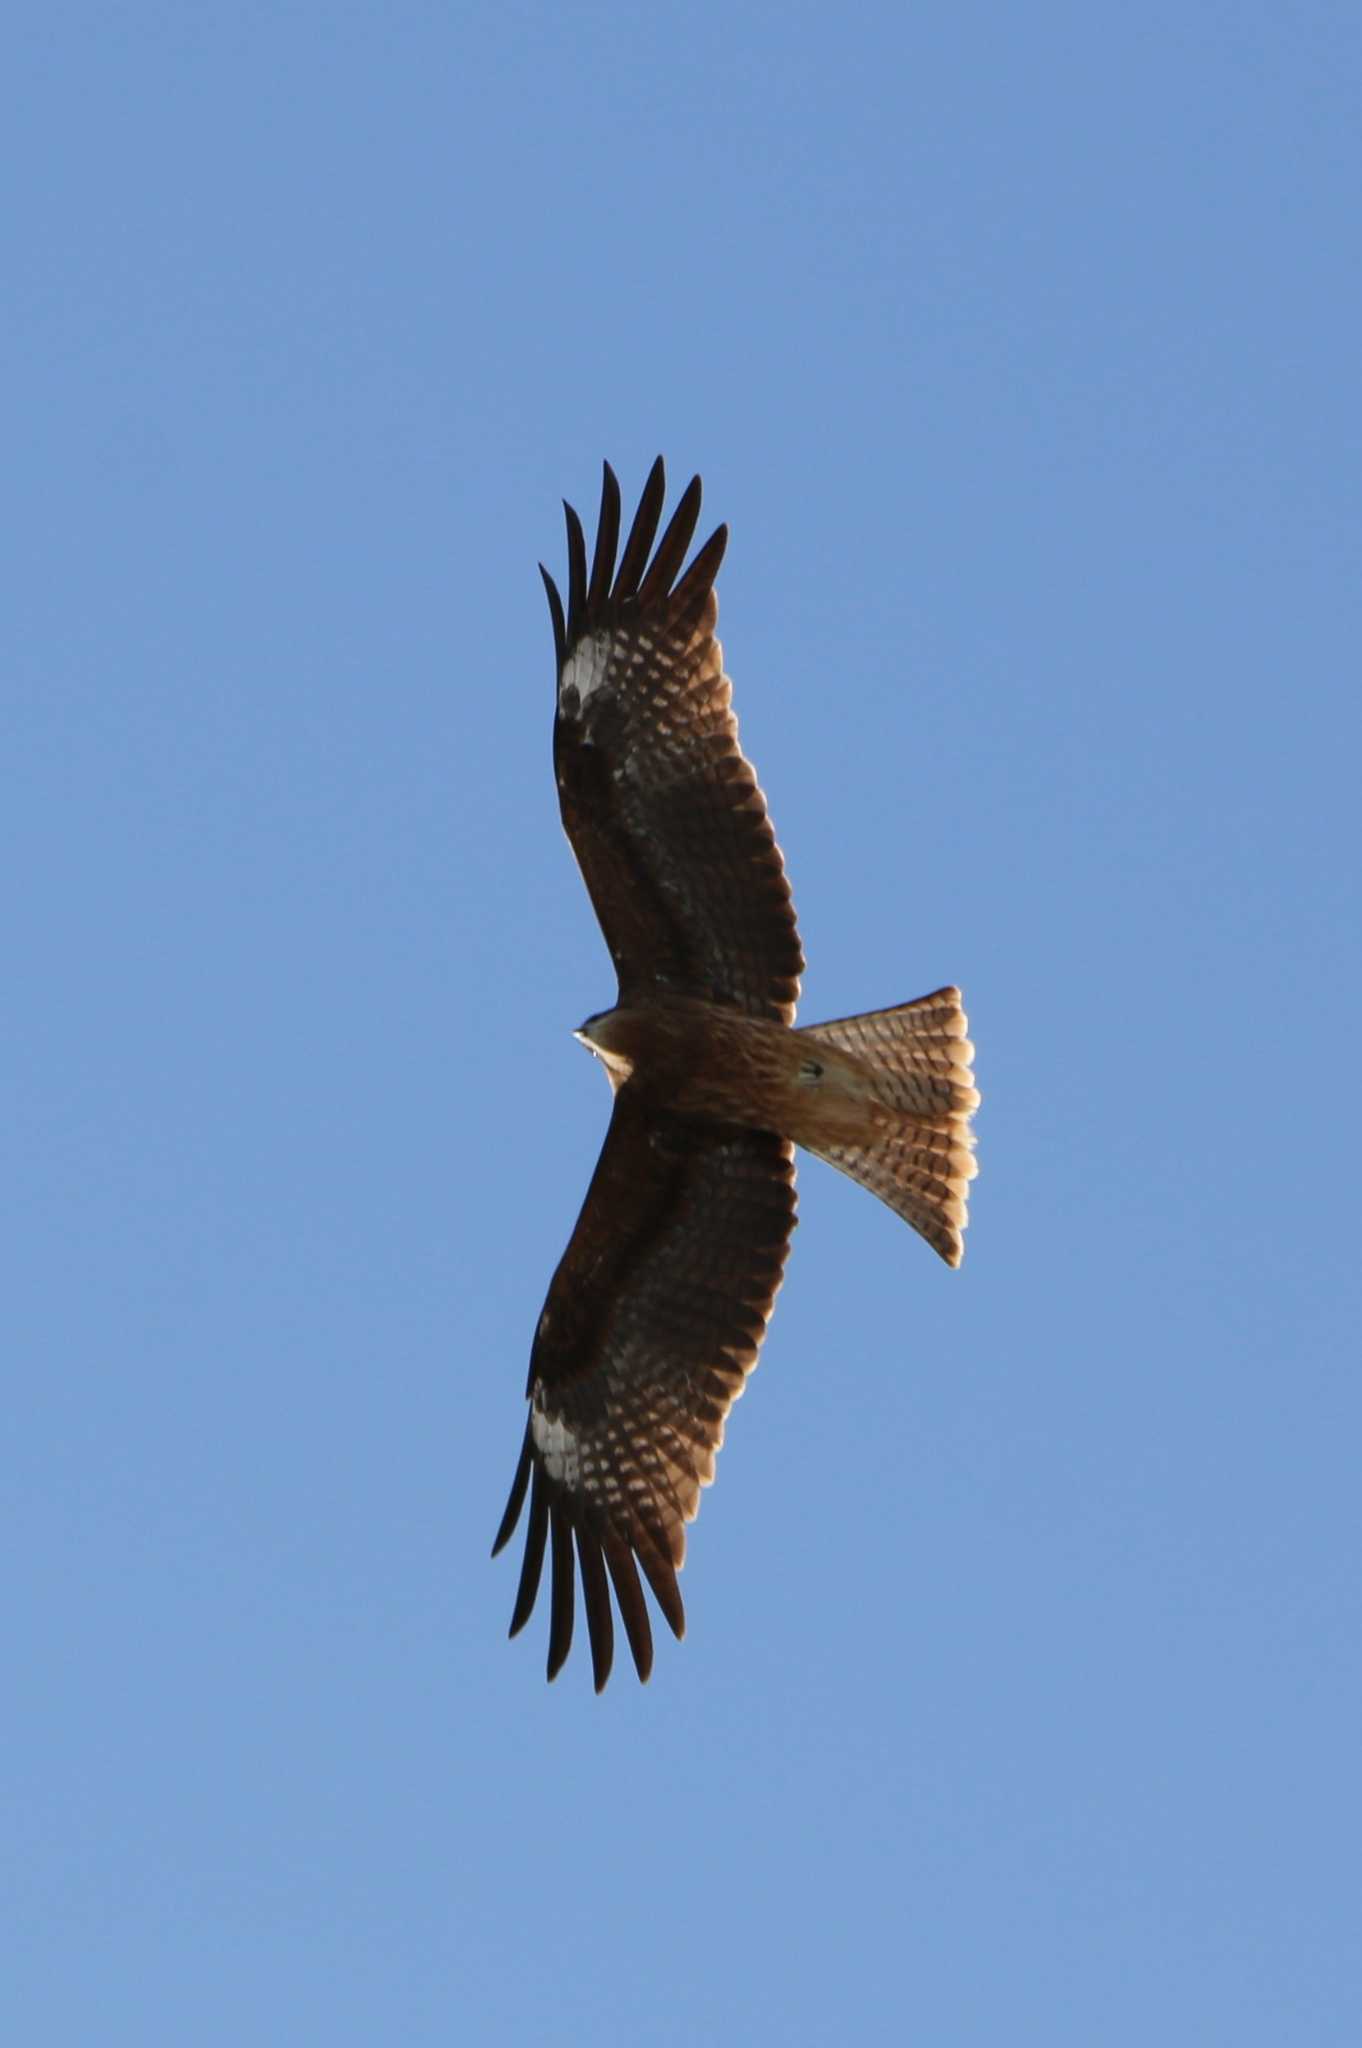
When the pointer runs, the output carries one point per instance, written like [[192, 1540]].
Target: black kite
[[660, 1303]]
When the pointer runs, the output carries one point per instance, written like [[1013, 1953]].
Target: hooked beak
[[617, 1064]]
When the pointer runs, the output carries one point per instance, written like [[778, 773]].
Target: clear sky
[[1019, 347]]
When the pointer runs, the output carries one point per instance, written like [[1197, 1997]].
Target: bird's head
[[606, 1034]]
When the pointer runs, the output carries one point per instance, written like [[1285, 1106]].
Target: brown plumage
[[660, 1302]]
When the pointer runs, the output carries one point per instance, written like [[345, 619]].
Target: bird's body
[[660, 1302], [704, 1060]]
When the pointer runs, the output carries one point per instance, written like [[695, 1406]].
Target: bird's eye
[[811, 1070]]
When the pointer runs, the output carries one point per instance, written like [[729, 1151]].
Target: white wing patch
[[557, 1446], [585, 669]]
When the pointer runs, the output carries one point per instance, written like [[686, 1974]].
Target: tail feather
[[918, 1153]]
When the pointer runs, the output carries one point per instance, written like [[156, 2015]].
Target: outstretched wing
[[652, 1322], [664, 813]]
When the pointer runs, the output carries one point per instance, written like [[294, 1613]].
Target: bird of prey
[[661, 1300]]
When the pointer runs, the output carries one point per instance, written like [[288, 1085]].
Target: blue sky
[[1021, 1695]]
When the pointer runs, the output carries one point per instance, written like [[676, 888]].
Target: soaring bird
[[660, 1302]]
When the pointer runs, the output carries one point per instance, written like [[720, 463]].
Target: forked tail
[[913, 1074]]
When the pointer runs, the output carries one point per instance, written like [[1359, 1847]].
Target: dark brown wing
[[664, 814], [652, 1323]]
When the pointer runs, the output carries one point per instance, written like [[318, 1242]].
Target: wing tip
[[576, 547], [516, 1500], [606, 1558], [637, 577], [563, 1589], [556, 615]]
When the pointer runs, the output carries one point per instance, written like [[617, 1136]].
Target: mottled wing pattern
[[652, 1323], [663, 812]]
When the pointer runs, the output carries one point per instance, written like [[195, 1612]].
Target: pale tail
[[920, 1159]]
